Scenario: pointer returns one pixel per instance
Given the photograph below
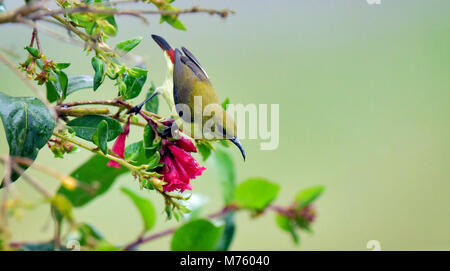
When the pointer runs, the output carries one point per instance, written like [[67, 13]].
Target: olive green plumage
[[193, 92], [190, 81]]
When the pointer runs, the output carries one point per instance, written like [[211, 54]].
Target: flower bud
[[157, 183], [69, 183]]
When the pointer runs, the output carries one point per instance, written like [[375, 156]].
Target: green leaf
[[95, 178], [153, 104], [303, 224], [133, 85], [100, 137], [225, 103], [48, 246], [28, 126], [88, 232], [85, 126], [227, 175], [135, 153], [33, 51], [204, 148], [62, 207], [53, 93], [204, 151], [308, 195], [225, 143], [287, 225], [99, 68], [153, 161], [144, 206], [104, 245], [149, 141], [112, 30], [79, 82], [196, 235], [121, 86], [173, 21], [128, 45], [63, 83], [62, 66], [228, 232], [57, 86], [137, 71], [256, 193]]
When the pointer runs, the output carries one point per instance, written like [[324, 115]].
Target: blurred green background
[[364, 94]]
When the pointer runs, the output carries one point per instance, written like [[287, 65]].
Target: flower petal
[[113, 163], [119, 145], [188, 162], [186, 144]]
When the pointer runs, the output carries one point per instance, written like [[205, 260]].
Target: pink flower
[[179, 165], [119, 146], [186, 144], [308, 213]]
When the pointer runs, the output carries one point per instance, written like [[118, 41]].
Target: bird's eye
[[180, 113]]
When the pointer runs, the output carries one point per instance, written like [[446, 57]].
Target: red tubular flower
[[179, 165], [186, 144], [119, 146]]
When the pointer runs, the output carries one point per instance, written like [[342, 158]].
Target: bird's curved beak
[[239, 145]]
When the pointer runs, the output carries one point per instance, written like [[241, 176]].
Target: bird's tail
[[165, 46]]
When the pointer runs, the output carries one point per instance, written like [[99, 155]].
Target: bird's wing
[[185, 76], [177, 77], [194, 60], [194, 68]]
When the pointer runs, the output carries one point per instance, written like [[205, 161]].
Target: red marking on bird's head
[[171, 54]]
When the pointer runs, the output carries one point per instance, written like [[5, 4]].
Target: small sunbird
[[190, 83]]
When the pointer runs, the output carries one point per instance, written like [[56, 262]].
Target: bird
[[190, 80]]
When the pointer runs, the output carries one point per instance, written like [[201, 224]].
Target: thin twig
[[98, 102], [142, 240], [137, 13], [32, 181], [115, 102], [16, 14], [77, 112], [34, 36], [65, 180], [226, 210], [72, 28], [95, 150]]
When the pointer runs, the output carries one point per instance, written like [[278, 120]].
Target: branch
[[138, 170], [226, 210], [65, 180], [18, 13], [37, 11], [137, 13], [77, 112], [32, 181], [142, 240], [96, 151], [115, 102]]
